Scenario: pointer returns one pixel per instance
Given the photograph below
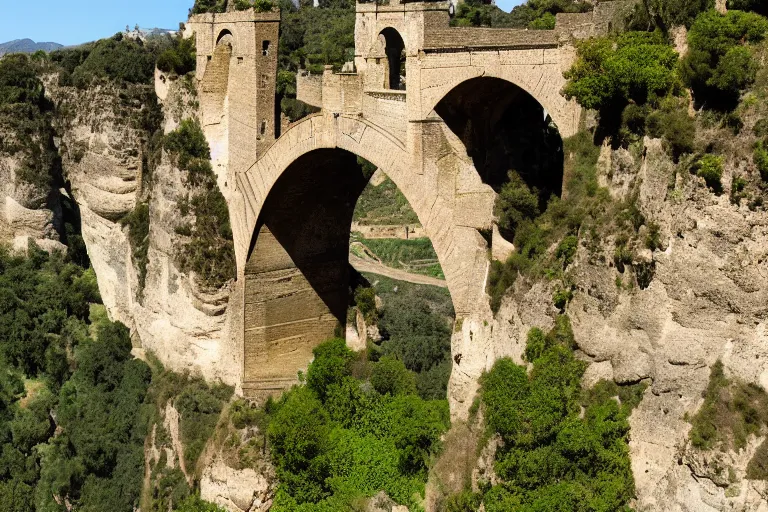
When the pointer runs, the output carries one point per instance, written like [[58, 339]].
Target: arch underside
[[294, 258], [297, 277]]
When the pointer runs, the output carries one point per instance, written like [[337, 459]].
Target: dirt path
[[401, 275]]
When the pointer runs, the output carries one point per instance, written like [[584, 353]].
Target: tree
[[331, 365], [390, 376], [637, 67], [719, 64]]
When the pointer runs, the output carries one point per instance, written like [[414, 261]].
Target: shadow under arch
[[504, 128], [298, 279], [394, 48], [224, 33]]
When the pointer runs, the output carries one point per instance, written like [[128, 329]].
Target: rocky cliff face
[[706, 301], [112, 165]]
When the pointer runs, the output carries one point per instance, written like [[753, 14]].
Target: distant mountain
[[26, 46]]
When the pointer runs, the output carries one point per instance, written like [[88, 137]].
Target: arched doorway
[[394, 48]]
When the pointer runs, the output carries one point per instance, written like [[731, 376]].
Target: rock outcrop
[[106, 154], [707, 300]]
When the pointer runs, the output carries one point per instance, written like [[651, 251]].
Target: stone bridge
[[292, 189]]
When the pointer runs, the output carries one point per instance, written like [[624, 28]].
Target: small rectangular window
[[239, 60], [265, 48], [210, 57]]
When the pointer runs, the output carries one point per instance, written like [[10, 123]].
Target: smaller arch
[[224, 33], [394, 48]]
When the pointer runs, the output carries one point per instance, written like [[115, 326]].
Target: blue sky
[[78, 21], [507, 5]]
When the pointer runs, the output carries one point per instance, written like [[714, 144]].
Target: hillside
[[622, 364], [27, 46]]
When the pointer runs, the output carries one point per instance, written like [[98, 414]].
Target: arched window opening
[[394, 48], [225, 34]]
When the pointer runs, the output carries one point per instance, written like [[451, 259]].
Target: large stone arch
[[460, 248], [539, 72]]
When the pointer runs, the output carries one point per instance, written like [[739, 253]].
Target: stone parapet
[[309, 89], [464, 38]]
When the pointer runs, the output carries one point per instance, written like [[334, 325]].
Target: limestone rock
[[242, 490]]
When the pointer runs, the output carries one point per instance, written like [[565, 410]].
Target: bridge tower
[[237, 71]]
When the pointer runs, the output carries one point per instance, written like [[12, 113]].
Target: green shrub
[[653, 236], [210, 250], [601, 78], [25, 121], [566, 250], [203, 6], [137, 221], [672, 123], [757, 467], [390, 376], [710, 167], [760, 157], [561, 298], [554, 456], [199, 407], [718, 66], [731, 412], [194, 503], [666, 14], [330, 455], [365, 300], [515, 204], [761, 128], [118, 59], [546, 22], [332, 364], [180, 58]]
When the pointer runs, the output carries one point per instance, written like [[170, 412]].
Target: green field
[[416, 255], [384, 204]]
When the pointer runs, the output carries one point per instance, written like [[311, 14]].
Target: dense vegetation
[[415, 323], [25, 123], [75, 406], [118, 59], [638, 86], [209, 251], [310, 38], [564, 447], [731, 412], [338, 439], [534, 14]]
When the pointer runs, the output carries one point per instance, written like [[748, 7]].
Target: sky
[[78, 21]]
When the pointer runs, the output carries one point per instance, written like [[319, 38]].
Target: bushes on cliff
[[179, 59], [350, 441], [601, 78], [719, 63], [118, 59], [137, 222], [731, 412], [25, 123], [311, 37], [554, 456], [534, 14], [209, 250]]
